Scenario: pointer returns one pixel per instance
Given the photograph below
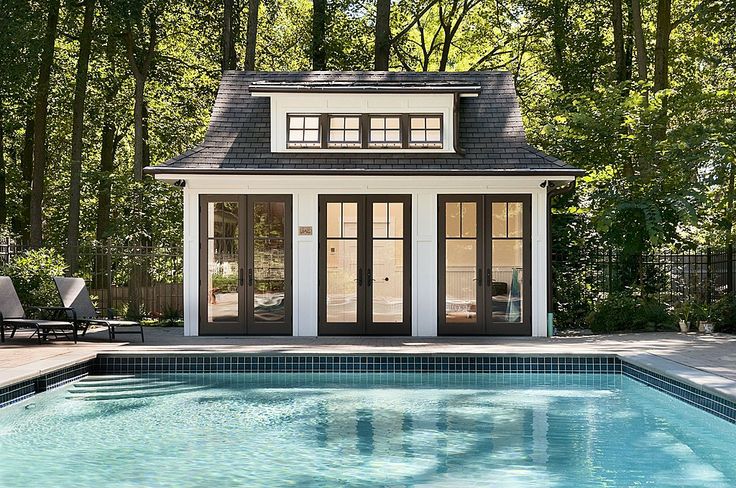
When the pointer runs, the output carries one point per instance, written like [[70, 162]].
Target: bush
[[613, 313], [622, 311], [724, 313], [32, 273]]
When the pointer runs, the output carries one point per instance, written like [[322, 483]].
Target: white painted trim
[[424, 191], [360, 103]]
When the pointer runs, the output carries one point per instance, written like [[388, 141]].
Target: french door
[[365, 265], [245, 265], [484, 264]]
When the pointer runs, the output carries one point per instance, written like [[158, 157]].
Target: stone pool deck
[[705, 361]]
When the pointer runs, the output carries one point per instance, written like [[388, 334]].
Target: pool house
[[366, 203]]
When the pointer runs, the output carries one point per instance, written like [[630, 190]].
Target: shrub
[[654, 315], [613, 313], [724, 313], [623, 311], [32, 273]]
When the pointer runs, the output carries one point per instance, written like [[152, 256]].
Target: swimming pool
[[347, 429]]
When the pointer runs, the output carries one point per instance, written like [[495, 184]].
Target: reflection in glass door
[[484, 258], [245, 264], [221, 265], [364, 265]]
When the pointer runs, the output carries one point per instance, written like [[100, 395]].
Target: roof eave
[[165, 170]]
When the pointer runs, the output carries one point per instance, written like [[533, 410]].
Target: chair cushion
[[9, 302], [44, 324], [73, 293], [116, 323]]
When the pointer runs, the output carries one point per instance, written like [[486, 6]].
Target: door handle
[[240, 276], [479, 277], [369, 277], [488, 277], [250, 277]]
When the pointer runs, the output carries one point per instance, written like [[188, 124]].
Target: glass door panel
[[342, 264], [268, 276], [507, 262], [386, 278], [222, 302], [460, 265]]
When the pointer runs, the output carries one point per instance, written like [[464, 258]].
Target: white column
[[305, 213], [424, 271], [539, 263], [191, 262]]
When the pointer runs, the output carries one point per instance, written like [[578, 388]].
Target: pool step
[[126, 386]]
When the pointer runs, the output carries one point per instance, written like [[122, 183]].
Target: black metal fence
[[703, 275], [137, 281]]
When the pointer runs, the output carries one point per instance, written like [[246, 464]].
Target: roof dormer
[[357, 118]]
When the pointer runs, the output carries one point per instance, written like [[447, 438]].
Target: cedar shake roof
[[490, 129]]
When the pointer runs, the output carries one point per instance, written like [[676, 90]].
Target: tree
[[319, 28], [383, 34], [252, 35], [228, 43], [80, 94], [618, 40], [39, 125], [140, 61]]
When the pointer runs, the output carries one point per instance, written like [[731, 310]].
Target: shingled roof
[[490, 131]]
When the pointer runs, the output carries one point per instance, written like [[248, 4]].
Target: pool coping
[[707, 391]]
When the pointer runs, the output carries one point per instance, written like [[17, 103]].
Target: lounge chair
[[75, 297], [14, 317]]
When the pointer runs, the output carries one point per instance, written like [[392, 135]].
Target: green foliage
[[724, 313], [32, 273], [624, 311]]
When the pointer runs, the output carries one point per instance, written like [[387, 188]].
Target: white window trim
[[363, 103]]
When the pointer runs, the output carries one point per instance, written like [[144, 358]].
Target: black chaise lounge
[[75, 297], [14, 317]]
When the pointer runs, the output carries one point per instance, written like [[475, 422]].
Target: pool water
[[362, 429]]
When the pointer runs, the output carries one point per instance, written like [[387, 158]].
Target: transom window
[[385, 131], [304, 131], [365, 131], [426, 131], [344, 131]]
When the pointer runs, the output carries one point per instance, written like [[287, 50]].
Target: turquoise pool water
[[362, 429]]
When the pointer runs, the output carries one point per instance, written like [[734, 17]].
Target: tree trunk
[[618, 41], [3, 206], [26, 164], [228, 41], [383, 34], [661, 63], [138, 118], [559, 41], [319, 22], [639, 41], [39, 125], [104, 186], [252, 35], [730, 215], [80, 94]]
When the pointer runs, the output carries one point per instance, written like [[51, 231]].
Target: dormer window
[[385, 131], [304, 131], [426, 131], [344, 131], [376, 132]]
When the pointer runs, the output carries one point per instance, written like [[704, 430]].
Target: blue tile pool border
[[114, 364], [118, 364], [17, 392], [697, 397]]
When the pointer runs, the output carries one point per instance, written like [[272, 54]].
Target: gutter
[[552, 191], [167, 170]]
